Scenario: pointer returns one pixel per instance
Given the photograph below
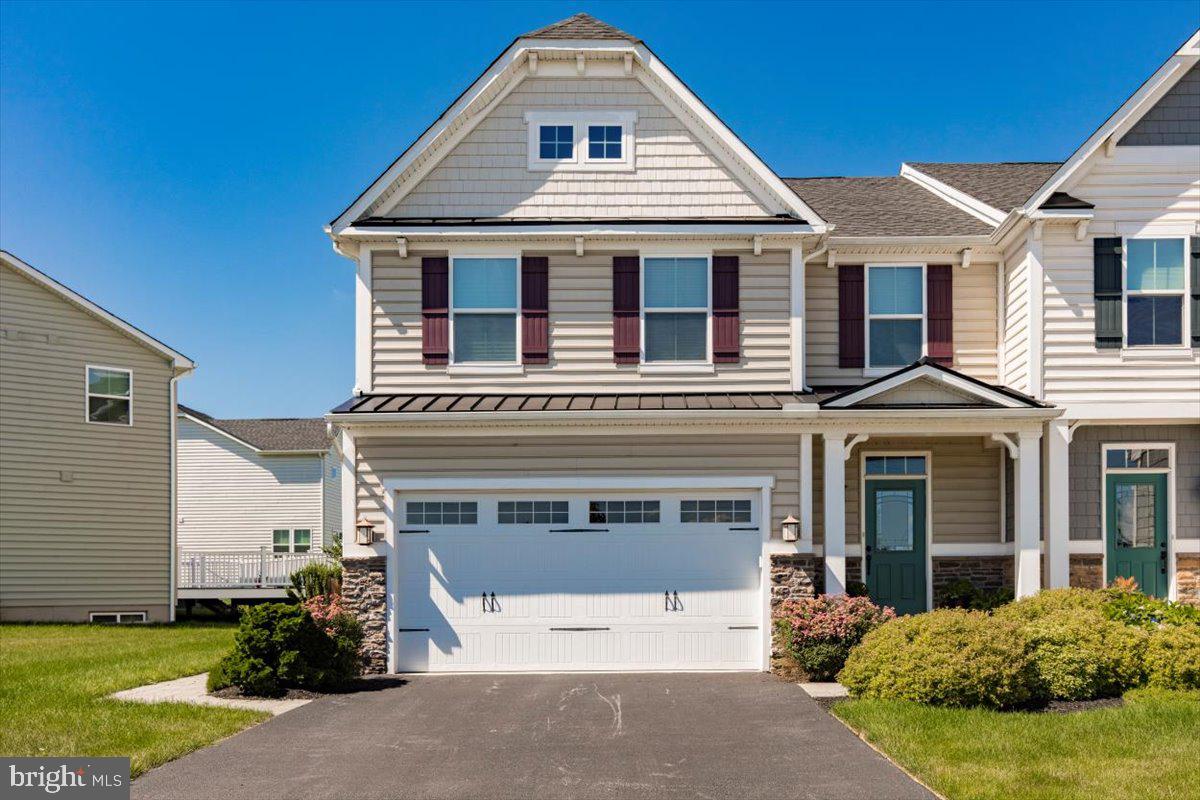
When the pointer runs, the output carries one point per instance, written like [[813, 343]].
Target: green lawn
[[1145, 749], [54, 680]]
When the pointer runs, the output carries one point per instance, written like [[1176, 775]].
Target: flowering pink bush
[[327, 611], [818, 632]]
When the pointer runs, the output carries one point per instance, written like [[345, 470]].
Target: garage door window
[[714, 511], [622, 511], [441, 513], [533, 512]]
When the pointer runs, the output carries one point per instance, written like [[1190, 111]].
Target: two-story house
[[620, 387]]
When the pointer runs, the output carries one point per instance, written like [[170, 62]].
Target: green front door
[[895, 555], [1137, 530]]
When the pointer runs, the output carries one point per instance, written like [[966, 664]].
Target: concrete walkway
[[566, 737], [192, 689]]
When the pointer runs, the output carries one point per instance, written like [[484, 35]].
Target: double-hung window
[[287, 540], [483, 310], [675, 309], [895, 315], [1155, 285], [109, 395]]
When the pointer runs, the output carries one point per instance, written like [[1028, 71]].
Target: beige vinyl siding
[[487, 174], [965, 504], [975, 315], [232, 498], [1135, 188], [331, 493], [581, 332], [85, 507], [1016, 317]]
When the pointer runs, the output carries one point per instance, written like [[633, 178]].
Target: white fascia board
[[596, 229], [1148, 93], [955, 197], [981, 415], [182, 363], [580, 482], [1133, 413], [972, 240], [926, 372]]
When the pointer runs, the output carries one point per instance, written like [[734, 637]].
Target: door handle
[[495, 605], [486, 608], [678, 606], [666, 600]]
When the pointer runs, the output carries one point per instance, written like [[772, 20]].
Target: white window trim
[[579, 120], [1183, 349], [875, 372], [138, 617], [292, 541], [677, 367], [484, 367], [862, 509], [88, 394], [1169, 470]]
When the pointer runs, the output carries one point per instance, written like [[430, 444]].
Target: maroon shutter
[[850, 315], [435, 310], [726, 324], [939, 313], [626, 310], [535, 310]]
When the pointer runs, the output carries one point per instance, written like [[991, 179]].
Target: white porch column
[[835, 513], [1028, 574], [1058, 515], [806, 488]]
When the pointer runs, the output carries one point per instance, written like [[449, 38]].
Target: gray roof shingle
[[1002, 185], [580, 26], [889, 206], [278, 435]]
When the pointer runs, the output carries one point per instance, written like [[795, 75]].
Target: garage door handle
[[580, 630]]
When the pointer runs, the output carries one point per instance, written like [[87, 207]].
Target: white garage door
[[638, 581]]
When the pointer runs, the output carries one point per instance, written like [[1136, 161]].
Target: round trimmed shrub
[[1051, 601], [1081, 655], [948, 657], [817, 633], [1173, 657]]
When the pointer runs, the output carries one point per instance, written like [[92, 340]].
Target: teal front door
[[1137, 530], [895, 546]]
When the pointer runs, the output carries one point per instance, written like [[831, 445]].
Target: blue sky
[[176, 162]]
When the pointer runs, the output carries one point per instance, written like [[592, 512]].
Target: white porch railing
[[241, 569]]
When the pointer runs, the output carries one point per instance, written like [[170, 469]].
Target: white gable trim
[[510, 69], [955, 197], [1129, 112], [181, 362], [929, 373]]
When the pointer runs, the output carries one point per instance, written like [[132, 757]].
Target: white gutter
[[582, 229]]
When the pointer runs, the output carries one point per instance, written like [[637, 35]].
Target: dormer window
[[581, 140]]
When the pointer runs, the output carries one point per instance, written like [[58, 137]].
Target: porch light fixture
[[791, 529], [364, 530]]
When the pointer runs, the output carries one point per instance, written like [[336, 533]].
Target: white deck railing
[[241, 569]]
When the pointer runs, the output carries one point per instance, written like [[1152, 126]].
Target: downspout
[[820, 251], [173, 554]]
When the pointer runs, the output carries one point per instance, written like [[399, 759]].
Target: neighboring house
[[87, 404], [258, 498], [620, 388]]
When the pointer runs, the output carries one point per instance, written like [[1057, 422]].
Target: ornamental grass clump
[[819, 632], [948, 657]]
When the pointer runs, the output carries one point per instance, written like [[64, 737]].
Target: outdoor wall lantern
[[364, 530], [791, 529]]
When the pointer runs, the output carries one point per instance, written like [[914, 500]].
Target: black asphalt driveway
[[545, 736]]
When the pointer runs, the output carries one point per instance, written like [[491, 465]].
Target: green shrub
[[279, 647], [948, 657], [1134, 608], [1081, 655], [961, 593], [1173, 657], [1051, 601], [218, 677], [315, 579]]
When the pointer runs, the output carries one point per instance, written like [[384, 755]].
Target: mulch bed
[[373, 683]]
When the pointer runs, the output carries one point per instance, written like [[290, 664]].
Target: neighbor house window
[[714, 511], [116, 617], [109, 395], [1155, 281], [604, 142], [483, 313], [288, 540], [623, 511], [441, 513], [675, 308], [556, 142], [532, 512], [895, 315]]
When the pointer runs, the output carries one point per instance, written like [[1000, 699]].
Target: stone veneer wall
[[1187, 576], [364, 592], [986, 573], [1087, 571]]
